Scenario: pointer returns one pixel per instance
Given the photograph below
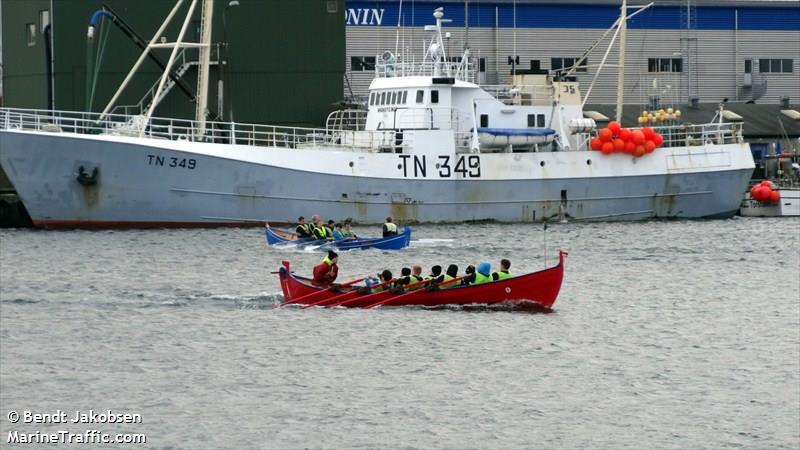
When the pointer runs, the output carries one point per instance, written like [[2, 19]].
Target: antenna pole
[[544, 237], [623, 28]]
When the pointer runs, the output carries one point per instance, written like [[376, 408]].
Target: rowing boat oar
[[378, 293], [409, 294], [339, 299], [319, 292]]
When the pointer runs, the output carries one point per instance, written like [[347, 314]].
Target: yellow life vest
[[481, 278], [390, 227], [503, 275]]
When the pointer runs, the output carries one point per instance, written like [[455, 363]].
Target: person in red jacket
[[325, 273]]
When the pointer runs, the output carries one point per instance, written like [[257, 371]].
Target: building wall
[[280, 72], [712, 42]]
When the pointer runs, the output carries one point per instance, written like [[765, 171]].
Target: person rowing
[[483, 273], [416, 276], [320, 231], [303, 230], [383, 277], [347, 231], [436, 274], [451, 273], [325, 273], [405, 277], [504, 273], [337, 232], [469, 275]]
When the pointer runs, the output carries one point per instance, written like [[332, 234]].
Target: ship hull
[[163, 183]]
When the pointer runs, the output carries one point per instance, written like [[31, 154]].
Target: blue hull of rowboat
[[397, 242]]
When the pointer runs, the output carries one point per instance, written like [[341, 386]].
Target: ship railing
[[459, 70], [702, 134], [187, 130], [347, 119], [522, 95]]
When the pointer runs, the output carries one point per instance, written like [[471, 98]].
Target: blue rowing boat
[[282, 237]]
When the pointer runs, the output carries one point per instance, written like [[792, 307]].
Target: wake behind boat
[[287, 238]]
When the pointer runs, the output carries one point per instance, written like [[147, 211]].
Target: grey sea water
[[679, 334]]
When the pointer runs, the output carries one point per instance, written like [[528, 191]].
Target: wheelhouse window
[[383, 98], [434, 96], [536, 120], [371, 98], [420, 96], [775, 65], [664, 65], [362, 63], [405, 96]]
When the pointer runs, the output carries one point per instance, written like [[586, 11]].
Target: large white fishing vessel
[[432, 146]]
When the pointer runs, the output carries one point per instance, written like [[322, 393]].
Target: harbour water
[[675, 334]]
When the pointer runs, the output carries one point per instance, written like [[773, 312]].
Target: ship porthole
[[588, 162], [399, 167], [541, 163], [508, 290], [351, 164]]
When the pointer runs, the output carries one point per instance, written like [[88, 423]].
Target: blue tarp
[[517, 131]]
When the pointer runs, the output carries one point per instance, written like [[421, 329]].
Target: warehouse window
[[664, 65], [362, 63], [566, 63], [775, 65], [30, 31], [748, 66]]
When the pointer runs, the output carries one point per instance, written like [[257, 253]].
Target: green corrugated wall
[[287, 57]]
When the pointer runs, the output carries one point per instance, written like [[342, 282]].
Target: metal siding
[[714, 60]]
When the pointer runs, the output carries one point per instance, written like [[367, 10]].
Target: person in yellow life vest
[[503, 273], [389, 228], [347, 230], [319, 230], [415, 277], [451, 273], [483, 274]]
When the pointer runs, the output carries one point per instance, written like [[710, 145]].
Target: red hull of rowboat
[[537, 289]]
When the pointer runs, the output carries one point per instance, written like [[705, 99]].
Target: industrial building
[[676, 51]]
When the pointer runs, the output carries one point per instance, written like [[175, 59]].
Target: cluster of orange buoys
[[763, 192], [615, 139]]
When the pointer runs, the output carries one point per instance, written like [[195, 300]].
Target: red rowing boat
[[538, 289]]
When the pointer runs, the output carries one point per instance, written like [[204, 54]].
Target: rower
[[405, 277], [436, 274], [325, 272], [347, 231], [469, 275], [452, 272], [329, 228], [483, 274], [416, 276], [337, 232], [320, 232], [389, 228], [383, 277], [303, 229], [503, 273]]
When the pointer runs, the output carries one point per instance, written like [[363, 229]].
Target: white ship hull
[[143, 182]]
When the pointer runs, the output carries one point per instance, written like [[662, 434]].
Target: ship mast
[[623, 28]]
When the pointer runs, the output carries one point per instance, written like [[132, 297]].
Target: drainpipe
[[48, 54]]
